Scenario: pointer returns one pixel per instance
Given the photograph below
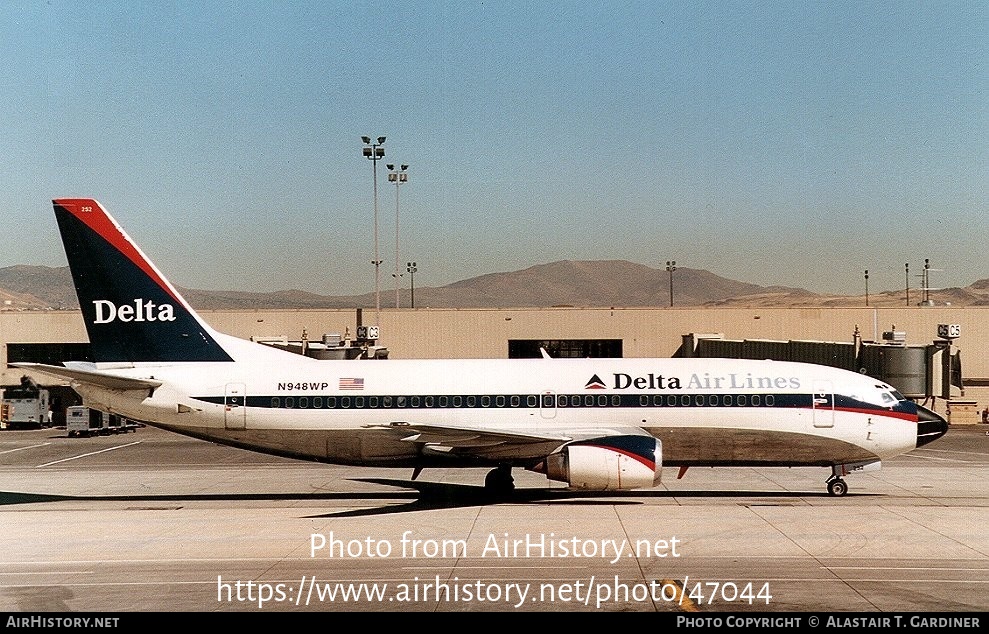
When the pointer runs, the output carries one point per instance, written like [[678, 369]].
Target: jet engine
[[612, 463]]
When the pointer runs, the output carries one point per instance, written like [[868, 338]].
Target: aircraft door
[[823, 404], [235, 406]]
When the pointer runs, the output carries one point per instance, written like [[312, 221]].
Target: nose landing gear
[[836, 486]]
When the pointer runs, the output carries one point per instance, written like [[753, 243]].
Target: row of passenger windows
[[529, 400], [387, 402], [711, 400]]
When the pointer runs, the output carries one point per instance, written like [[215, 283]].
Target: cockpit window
[[882, 387], [887, 398]]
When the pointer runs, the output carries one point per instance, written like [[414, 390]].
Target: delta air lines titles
[[730, 381]]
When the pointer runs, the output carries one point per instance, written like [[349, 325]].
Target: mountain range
[[601, 283]]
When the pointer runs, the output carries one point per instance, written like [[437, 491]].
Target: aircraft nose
[[930, 426]]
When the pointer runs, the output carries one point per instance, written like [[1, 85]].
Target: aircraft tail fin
[[132, 313]]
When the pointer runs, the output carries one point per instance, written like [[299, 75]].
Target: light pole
[[671, 266], [411, 268], [908, 282], [867, 287], [927, 278], [373, 152], [398, 177]]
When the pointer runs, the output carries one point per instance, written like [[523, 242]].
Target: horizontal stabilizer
[[73, 375]]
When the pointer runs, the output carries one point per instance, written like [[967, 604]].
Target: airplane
[[599, 424]]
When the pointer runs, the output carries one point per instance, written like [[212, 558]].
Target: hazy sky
[[775, 143]]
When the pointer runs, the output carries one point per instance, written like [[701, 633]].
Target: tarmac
[[151, 521]]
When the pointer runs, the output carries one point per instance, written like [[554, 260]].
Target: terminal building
[[918, 350]]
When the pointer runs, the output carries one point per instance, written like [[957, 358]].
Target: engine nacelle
[[613, 463]]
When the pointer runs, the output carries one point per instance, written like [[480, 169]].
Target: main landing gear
[[499, 480], [836, 486]]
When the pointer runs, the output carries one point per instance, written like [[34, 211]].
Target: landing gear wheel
[[499, 480], [837, 487]]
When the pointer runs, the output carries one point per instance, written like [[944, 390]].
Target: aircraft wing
[[494, 444], [76, 375]]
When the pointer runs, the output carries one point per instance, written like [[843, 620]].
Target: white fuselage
[[705, 411]]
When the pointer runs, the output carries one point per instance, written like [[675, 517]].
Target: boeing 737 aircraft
[[595, 424]]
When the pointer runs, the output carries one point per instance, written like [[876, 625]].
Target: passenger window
[[756, 401], [317, 402], [331, 401], [276, 402], [531, 400], [304, 402], [499, 401], [290, 401]]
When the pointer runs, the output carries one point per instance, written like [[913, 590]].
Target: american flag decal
[[351, 383]]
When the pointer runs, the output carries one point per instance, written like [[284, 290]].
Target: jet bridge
[[919, 372]]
